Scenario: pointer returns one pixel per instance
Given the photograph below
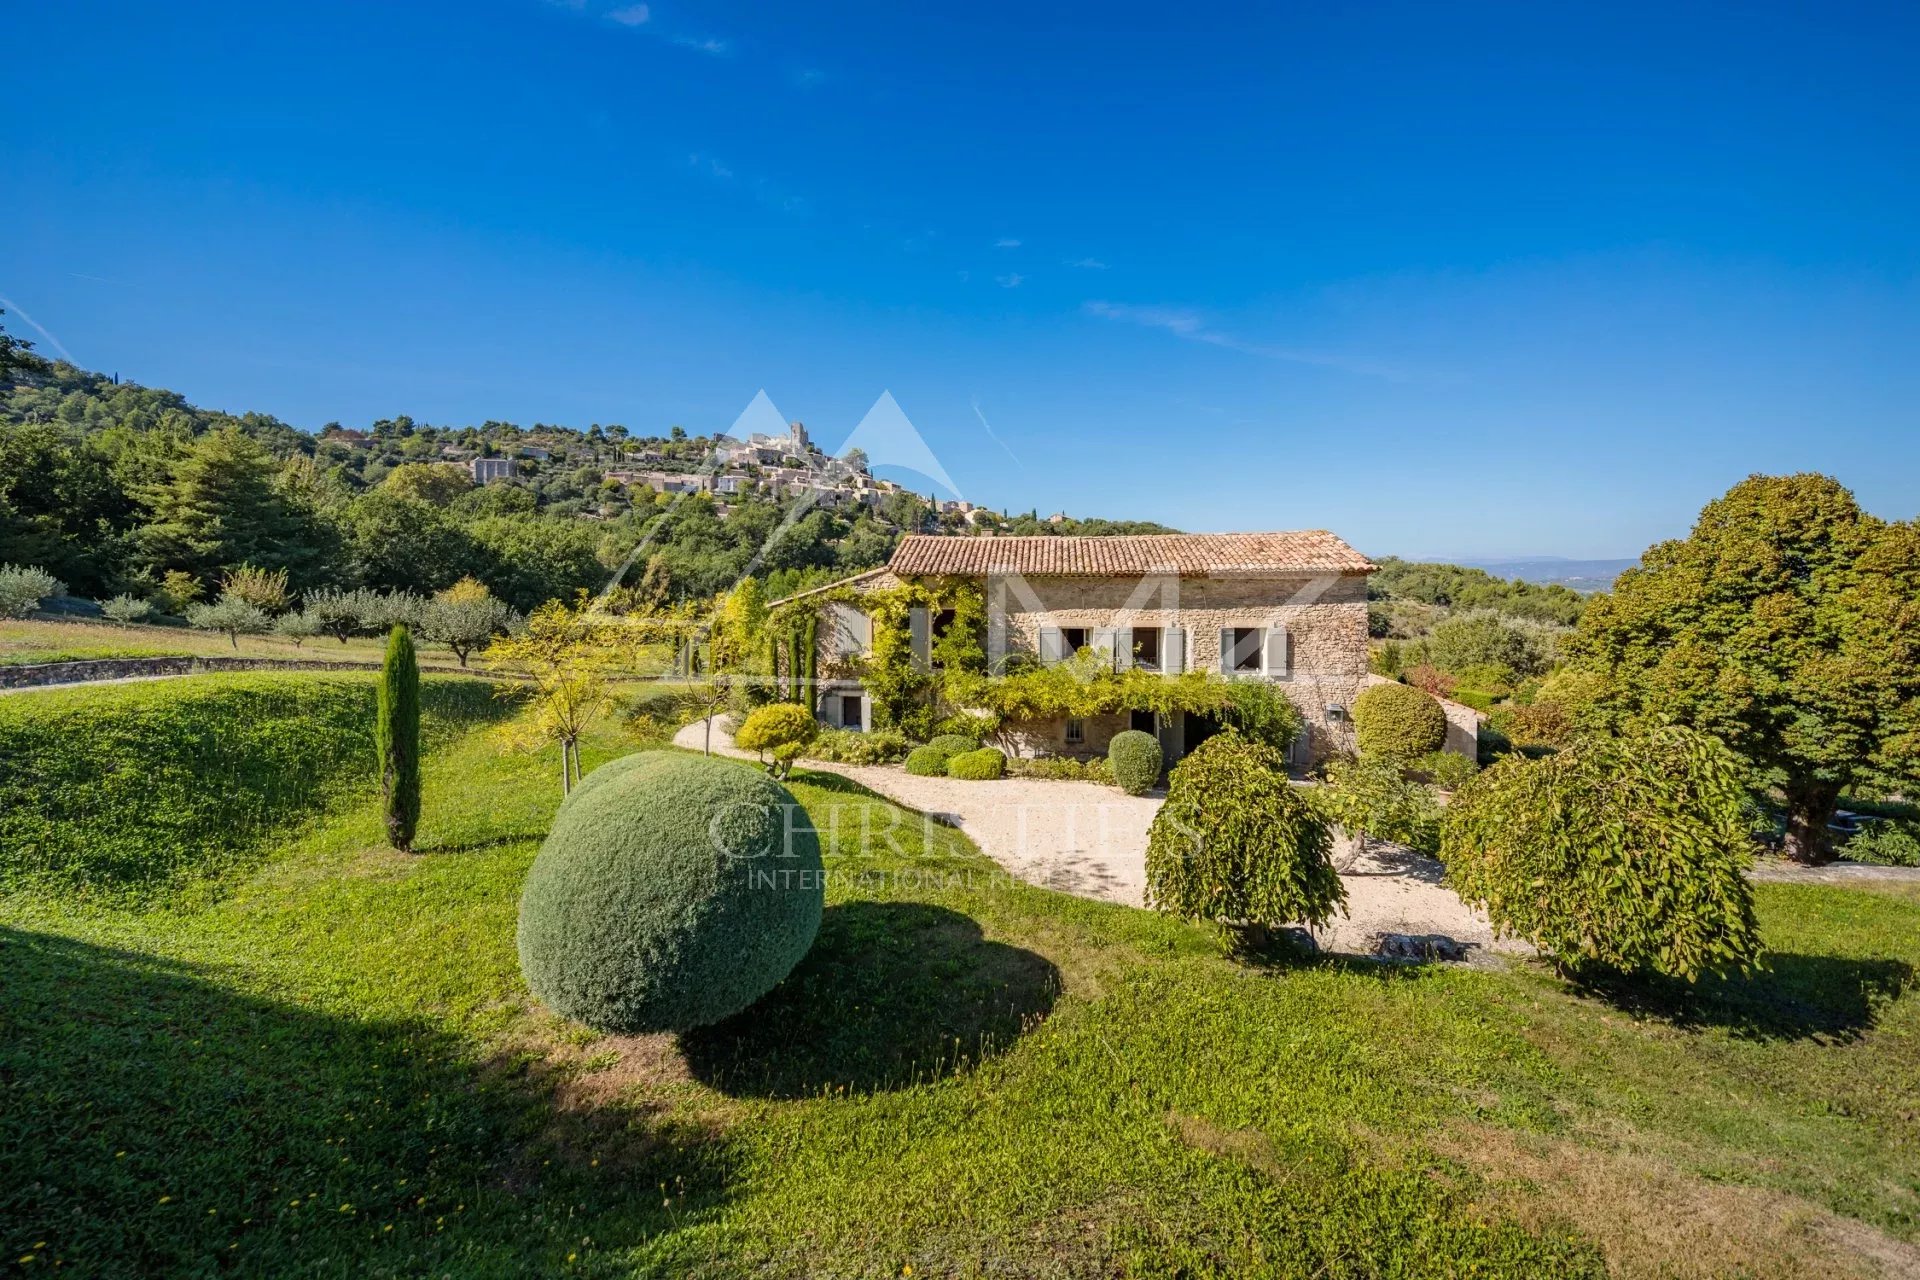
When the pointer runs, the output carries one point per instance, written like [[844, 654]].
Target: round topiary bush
[[1398, 720], [1237, 843], [1624, 853], [983, 765], [783, 728], [954, 743], [1135, 758], [670, 893], [928, 762]]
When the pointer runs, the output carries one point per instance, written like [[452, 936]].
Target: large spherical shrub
[[954, 743], [1398, 720], [983, 765], [670, 893], [1623, 853], [1235, 842], [1135, 757], [928, 762]]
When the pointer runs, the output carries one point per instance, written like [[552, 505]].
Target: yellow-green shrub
[[1398, 720]]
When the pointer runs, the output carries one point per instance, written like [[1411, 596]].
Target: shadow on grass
[[482, 845], [1797, 997], [891, 994], [154, 1121]]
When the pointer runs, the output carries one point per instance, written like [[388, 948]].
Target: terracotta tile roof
[[1191, 554]]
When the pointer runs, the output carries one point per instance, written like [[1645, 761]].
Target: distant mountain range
[[1577, 575]]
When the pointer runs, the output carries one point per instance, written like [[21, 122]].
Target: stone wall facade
[[1324, 618]]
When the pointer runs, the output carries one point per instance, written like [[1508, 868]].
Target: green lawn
[[333, 1069], [35, 640]]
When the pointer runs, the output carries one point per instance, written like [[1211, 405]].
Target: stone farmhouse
[[1290, 608]]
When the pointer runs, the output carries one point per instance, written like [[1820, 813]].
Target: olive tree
[[1787, 625], [232, 615], [1626, 853], [465, 617]]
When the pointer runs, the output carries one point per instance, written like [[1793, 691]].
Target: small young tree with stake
[[397, 739]]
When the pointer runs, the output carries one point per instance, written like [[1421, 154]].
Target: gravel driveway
[[1091, 840]]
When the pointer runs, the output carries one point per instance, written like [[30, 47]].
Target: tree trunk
[[233, 638], [708, 749], [1809, 809], [566, 771]]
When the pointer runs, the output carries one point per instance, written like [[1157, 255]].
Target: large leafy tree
[[60, 507], [219, 506], [1788, 626]]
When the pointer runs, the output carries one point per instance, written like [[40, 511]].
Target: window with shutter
[[1052, 645], [1176, 657], [1277, 652], [920, 638]]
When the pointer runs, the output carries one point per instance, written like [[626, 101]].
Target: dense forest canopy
[[111, 486]]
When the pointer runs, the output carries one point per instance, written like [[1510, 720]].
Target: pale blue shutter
[[1173, 651], [1277, 656]]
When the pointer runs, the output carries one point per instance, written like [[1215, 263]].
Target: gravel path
[[1091, 840]]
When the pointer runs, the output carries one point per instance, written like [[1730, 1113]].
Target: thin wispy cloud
[[764, 190], [1006, 244], [1186, 323], [809, 78], [1088, 264], [9, 305], [1012, 280], [995, 434], [633, 15], [704, 44]]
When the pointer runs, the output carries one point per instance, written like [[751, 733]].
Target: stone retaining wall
[[93, 670]]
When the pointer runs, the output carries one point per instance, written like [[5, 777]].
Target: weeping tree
[[396, 737], [1622, 853], [1237, 844]]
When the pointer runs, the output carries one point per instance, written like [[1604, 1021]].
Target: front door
[[1198, 729], [850, 711]]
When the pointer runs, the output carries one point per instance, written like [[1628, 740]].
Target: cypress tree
[[810, 637], [396, 737]]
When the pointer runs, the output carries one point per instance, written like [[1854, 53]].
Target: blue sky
[[1451, 281]]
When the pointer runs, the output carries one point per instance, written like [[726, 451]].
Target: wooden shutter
[[1173, 651], [920, 638], [1052, 645], [1107, 639], [1277, 656], [1123, 648], [1226, 651]]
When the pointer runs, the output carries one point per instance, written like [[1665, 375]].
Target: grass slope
[[335, 1070]]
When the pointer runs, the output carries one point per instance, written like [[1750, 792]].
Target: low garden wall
[[27, 676]]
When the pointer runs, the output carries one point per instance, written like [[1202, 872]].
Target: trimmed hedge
[[132, 791], [954, 743], [1135, 758], [928, 762], [984, 765], [671, 895], [1398, 720]]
